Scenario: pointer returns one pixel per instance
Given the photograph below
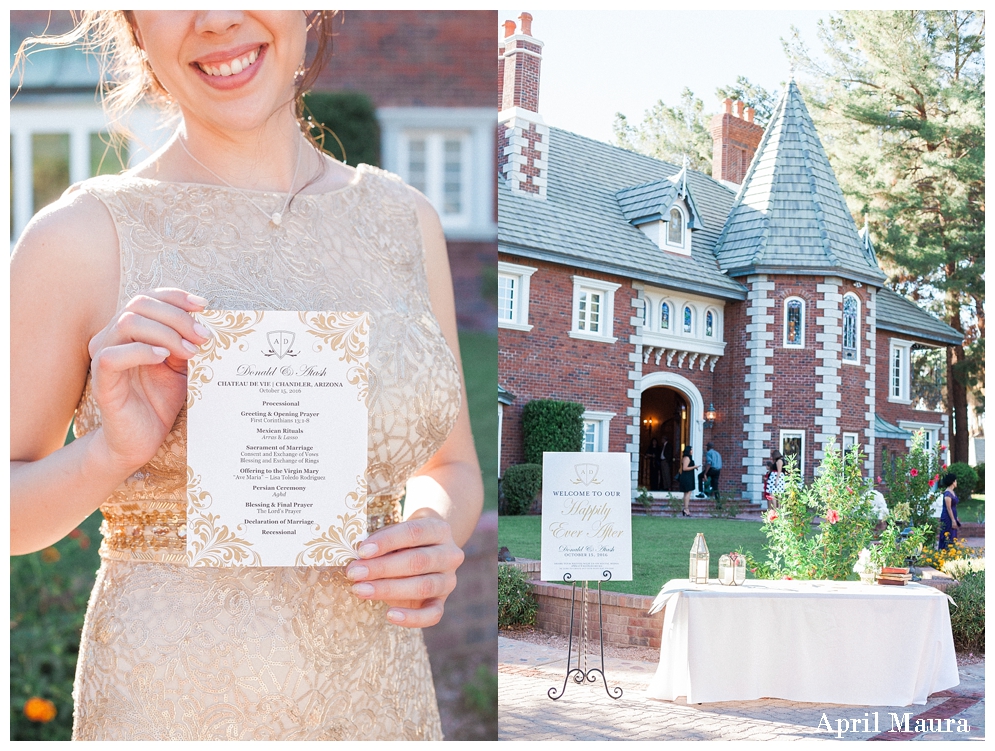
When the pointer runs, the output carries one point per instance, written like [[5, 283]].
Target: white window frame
[[854, 440], [931, 429], [476, 221], [694, 316], [904, 349], [602, 423], [669, 329], [784, 339], [435, 170], [792, 433], [606, 312], [716, 318], [856, 334], [682, 245], [520, 303]]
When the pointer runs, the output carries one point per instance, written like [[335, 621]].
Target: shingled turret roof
[[790, 215]]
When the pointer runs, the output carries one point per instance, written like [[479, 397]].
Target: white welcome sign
[[586, 516]]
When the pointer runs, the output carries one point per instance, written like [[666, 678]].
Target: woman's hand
[[139, 372], [411, 566]]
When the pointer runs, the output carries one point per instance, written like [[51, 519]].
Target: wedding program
[[277, 428]]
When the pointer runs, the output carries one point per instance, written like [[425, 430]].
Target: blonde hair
[[126, 76]]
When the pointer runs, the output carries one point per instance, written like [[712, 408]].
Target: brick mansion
[[743, 308]]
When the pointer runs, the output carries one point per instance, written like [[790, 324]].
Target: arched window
[[646, 312], [687, 319], [794, 322], [709, 325], [675, 228], [665, 316], [851, 327]]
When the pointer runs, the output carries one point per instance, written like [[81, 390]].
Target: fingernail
[[162, 351], [367, 549], [395, 616], [189, 346], [202, 331], [197, 300], [362, 590], [357, 573]]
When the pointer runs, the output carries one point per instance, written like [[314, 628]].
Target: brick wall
[[730, 403], [625, 621], [734, 142], [545, 363], [426, 58]]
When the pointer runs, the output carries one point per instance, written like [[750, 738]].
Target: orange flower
[[37, 709], [50, 555]]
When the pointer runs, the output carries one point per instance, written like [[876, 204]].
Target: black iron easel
[[582, 675]]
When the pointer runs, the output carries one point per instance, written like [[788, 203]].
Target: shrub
[[348, 120], [520, 484], [914, 479], [967, 619], [967, 479], [549, 425], [645, 499], [517, 605], [980, 472]]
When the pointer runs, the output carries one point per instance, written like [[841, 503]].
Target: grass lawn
[[660, 546], [479, 353], [972, 510]]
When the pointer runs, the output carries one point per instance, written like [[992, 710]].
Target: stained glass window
[[709, 330], [794, 333], [687, 319], [850, 308], [665, 316], [675, 228]]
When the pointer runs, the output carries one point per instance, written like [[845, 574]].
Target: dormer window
[[675, 228]]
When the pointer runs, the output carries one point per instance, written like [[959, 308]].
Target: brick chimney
[[523, 138], [735, 139]]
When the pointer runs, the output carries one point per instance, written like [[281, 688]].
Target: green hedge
[[967, 479], [550, 425], [980, 470], [350, 116], [520, 485], [967, 619], [517, 605]]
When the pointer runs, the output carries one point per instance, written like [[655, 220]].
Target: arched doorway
[[671, 408]]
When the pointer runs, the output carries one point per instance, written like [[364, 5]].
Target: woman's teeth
[[228, 69]]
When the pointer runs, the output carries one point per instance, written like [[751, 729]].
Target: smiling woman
[[237, 211]]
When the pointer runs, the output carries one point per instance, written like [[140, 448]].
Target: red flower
[[787, 578], [832, 516], [771, 516], [879, 480], [943, 448], [913, 472], [944, 466], [932, 482]]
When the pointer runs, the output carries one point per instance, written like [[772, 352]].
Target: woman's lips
[[232, 71]]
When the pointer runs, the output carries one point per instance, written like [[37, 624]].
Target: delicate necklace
[[277, 216]]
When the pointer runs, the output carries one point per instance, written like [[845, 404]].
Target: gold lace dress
[[176, 653]]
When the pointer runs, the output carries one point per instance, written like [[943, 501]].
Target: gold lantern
[[699, 561], [732, 569]]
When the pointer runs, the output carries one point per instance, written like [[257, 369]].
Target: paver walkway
[[526, 671]]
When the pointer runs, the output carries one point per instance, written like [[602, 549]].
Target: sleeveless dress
[[176, 653]]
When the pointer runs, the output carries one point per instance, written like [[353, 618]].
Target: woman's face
[[231, 69]]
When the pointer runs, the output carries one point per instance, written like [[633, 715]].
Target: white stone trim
[[870, 364], [829, 343], [604, 419], [517, 121], [860, 308], [784, 316], [635, 377], [606, 319], [906, 375], [759, 352]]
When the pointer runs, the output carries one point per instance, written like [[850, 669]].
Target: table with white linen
[[813, 641]]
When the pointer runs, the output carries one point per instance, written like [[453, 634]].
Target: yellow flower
[[50, 555], [37, 709]]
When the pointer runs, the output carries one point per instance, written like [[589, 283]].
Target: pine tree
[[899, 101], [670, 133]]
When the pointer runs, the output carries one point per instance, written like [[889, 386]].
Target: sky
[[597, 63]]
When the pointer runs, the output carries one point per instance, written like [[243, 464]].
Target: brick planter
[[624, 616]]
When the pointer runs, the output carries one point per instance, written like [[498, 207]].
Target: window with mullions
[[851, 327], [589, 311]]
